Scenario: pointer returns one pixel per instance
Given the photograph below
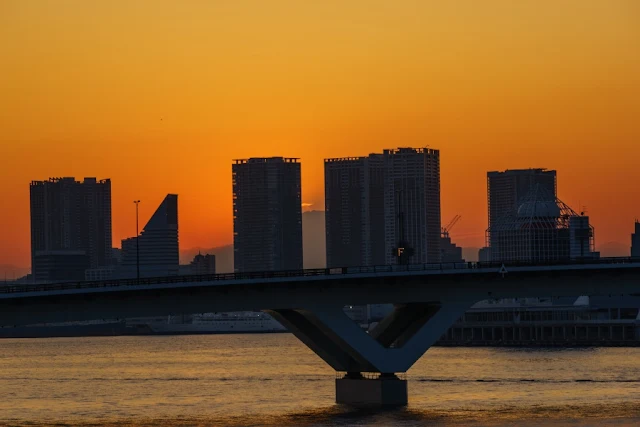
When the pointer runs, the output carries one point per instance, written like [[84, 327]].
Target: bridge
[[428, 299]]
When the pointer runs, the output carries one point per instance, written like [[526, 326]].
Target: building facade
[[267, 214], [635, 241], [159, 248], [60, 266], [354, 211], [506, 190], [70, 216], [383, 208], [412, 205], [541, 228]]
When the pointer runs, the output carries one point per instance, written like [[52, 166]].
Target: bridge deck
[[333, 274]]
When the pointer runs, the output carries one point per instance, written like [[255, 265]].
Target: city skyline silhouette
[[165, 109]]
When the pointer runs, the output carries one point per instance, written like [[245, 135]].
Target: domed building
[[544, 229]]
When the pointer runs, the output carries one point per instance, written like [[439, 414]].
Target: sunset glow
[[161, 95]]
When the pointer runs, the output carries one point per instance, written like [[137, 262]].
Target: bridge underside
[[392, 347], [425, 306]]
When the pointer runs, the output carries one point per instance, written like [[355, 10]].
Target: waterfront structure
[[69, 217], [203, 264], [354, 211], [527, 221], [635, 241], [548, 322], [267, 214], [506, 190], [158, 244], [383, 208], [543, 229]]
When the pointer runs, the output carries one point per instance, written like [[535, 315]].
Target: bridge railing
[[315, 272]]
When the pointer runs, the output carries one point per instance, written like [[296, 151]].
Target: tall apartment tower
[[505, 190], [70, 220], [381, 206], [157, 248], [267, 214], [635, 241], [354, 211], [412, 204]]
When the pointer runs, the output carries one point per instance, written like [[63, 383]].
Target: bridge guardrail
[[302, 273]]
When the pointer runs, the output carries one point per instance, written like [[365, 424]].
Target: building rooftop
[[89, 180], [344, 159], [410, 150], [267, 160], [520, 171]]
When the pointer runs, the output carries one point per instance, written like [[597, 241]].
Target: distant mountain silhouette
[[313, 246], [12, 272], [614, 249]]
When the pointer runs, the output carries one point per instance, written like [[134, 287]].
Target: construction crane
[[447, 229]]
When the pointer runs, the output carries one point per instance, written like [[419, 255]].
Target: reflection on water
[[274, 380]]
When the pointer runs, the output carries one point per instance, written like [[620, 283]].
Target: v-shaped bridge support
[[394, 345]]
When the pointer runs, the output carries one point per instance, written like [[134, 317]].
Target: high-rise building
[[203, 264], [541, 228], [72, 217], [635, 241], [354, 211], [157, 246], [267, 214], [412, 205], [383, 208], [505, 190]]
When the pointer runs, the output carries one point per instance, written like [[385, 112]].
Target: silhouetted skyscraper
[[267, 214], [412, 204], [70, 225], [382, 202], [635, 241], [354, 211], [159, 244]]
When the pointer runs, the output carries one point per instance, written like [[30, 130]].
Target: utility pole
[[137, 202]]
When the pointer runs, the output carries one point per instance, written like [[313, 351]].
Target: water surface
[[274, 380]]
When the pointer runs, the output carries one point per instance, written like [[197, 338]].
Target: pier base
[[386, 390]]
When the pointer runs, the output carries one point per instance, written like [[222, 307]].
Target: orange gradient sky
[[161, 95]]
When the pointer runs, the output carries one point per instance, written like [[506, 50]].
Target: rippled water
[[275, 380]]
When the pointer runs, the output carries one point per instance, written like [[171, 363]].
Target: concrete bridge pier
[[372, 360], [362, 390]]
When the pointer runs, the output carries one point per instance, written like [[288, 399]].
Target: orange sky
[[161, 95]]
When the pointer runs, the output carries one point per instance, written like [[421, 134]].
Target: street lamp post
[[137, 202]]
